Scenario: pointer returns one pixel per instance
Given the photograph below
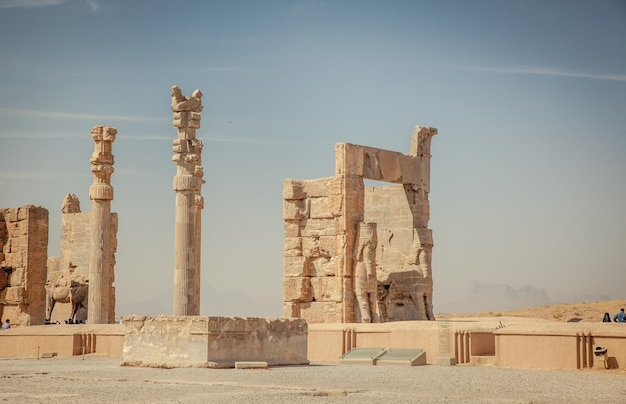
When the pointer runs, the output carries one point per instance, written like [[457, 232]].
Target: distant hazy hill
[[485, 296], [492, 297], [212, 303], [582, 311]]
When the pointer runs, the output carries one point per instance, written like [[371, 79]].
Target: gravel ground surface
[[100, 380]]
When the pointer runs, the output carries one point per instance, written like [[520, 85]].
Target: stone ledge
[[251, 365]]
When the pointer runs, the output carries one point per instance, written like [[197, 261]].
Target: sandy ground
[[99, 380], [569, 312]]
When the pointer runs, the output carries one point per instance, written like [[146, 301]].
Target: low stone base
[[213, 342], [446, 361], [251, 365]]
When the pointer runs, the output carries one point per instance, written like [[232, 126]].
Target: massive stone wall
[[315, 250], [328, 262], [23, 255], [73, 262]]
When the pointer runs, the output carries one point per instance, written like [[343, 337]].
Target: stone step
[[483, 360]]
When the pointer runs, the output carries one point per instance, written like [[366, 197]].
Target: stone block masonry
[[215, 342], [335, 273], [23, 256]]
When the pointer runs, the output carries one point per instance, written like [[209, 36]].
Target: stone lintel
[[377, 164]]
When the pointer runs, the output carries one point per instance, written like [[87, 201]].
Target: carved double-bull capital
[[102, 162]]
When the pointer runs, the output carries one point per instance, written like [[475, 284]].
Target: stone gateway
[[334, 272]]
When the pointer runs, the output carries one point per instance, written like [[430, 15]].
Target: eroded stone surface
[[23, 256], [101, 309], [73, 264], [189, 202], [196, 341], [326, 276]]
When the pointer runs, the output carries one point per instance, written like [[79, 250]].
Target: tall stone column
[[101, 194], [187, 185]]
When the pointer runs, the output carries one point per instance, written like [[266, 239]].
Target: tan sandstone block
[[321, 208], [410, 168], [327, 288], [294, 189], [322, 266], [296, 266], [14, 295], [293, 247], [312, 312], [319, 187], [390, 167], [424, 236], [328, 245], [297, 289], [318, 227], [10, 215], [291, 310], [321, 312], [297, 209], [292, 228], [17, 277], [310, 247]]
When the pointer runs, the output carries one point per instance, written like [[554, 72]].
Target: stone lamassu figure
[[365, 283], [68, 288], [71, 204], [421, 254]]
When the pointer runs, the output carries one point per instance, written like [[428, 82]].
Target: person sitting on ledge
[[618, 318], [607, 318], [6, 325]]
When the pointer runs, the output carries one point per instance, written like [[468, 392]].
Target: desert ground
[[95, 379], [570, 312], [101, 380]]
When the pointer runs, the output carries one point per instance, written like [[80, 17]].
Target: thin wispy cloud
[[146, 137], [233, 140], [47, 135], [42, 135], [95, 6], [37, 175], [208, 69], [204, 138], [544, 71], [29, 3], [78, 116]]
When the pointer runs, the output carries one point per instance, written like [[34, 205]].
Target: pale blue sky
[[528, 169]]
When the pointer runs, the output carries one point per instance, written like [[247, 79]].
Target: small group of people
[[618, 318]]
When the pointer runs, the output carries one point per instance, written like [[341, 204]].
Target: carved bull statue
[[72, 289]]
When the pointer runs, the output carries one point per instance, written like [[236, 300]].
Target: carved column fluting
[[101, 194], [187, 185]]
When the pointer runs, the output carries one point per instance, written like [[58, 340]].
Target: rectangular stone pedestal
[[217, 342]]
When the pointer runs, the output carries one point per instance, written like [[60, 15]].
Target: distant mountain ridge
[[227, 303], [486, 296]]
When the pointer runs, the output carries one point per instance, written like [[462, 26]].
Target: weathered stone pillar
[[187, 184], [101, 193]]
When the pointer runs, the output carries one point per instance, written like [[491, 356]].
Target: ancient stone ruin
[[101, 309], [357, 254], [78, 285], [186, 338], [189, 202], [68, 275], [23, 252]]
